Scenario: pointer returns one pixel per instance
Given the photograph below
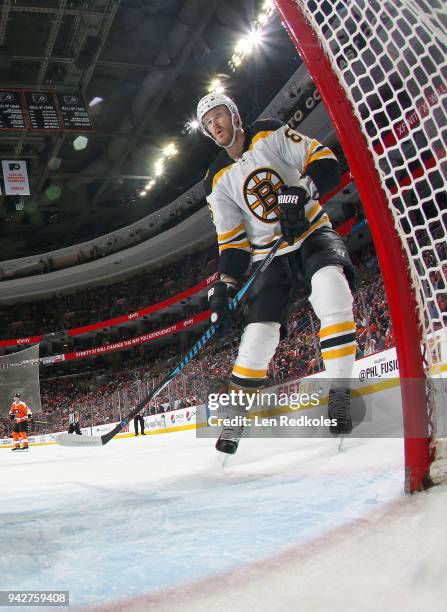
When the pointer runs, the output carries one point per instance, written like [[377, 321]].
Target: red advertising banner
[[19, 341], [77, 331], [159, 333]]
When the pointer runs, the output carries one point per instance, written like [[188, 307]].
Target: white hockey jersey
[[242, 194]]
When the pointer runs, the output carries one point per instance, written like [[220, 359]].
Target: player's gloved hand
[[292, 201], [12, 416], [219, 298], [30, 415]]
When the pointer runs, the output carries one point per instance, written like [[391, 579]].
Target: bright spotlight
[[170, 150], [268, 6], [149, 185], [142, 193], [249, 42], [192, 126], [159, 167], [216, 86]]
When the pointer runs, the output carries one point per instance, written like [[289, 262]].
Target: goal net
[[19, 373], [381, 69]]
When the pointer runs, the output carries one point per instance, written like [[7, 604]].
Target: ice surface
[[156, 523]]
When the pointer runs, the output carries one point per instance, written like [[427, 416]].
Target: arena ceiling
[[148, 62]]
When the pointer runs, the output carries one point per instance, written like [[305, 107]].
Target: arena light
[[191, 126], [94, 101], [159, 167], [216, 86], [149, 185], [247, 44], [142, 193], [170, 150]]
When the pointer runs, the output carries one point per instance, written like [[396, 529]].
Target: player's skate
[[233, 426], [339, 408], [16, 448], [229, 439]]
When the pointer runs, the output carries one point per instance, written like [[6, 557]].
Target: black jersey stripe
[[337, 341]]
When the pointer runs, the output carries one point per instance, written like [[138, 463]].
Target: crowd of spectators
[[99, 303], [108, 395]]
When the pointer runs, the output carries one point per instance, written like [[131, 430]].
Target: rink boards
[[376, 395]]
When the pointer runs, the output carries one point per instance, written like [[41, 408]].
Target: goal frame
[[418, 454]]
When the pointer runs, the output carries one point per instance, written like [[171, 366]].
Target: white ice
[[157, 523]]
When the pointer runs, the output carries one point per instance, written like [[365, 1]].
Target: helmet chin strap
[[235, 130]]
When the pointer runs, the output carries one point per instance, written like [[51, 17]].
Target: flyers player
[[20, 414], [267, 181]]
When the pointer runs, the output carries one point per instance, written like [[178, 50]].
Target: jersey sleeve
[[308, 156], [234, 246]]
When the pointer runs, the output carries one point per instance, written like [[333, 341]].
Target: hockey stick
[[65, 439]]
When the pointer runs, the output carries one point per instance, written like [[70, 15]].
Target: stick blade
[[65, 439]]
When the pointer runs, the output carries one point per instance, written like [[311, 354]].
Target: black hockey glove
[[12, 416], [292, 216], [219, 297], [30, 415]]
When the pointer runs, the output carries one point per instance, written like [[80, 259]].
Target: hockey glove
[[292, 215], [30, 415], [12, 416], [219, 297]]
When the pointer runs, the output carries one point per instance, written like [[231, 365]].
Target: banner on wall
[[15, 176], [124, 318]]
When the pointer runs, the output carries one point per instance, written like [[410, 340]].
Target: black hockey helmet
[[16, 396]]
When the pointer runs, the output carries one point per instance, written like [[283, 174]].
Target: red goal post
[[381, 69]]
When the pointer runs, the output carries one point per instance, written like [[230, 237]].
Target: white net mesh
[[391, 60]]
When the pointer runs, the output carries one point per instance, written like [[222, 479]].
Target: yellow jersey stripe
[[324, 219], [313, 211], [336, 328], [342, 352], [313, 145], [249, 372], [219, 175], [259, 136], [326, 154], [231, 233], [245, 246]]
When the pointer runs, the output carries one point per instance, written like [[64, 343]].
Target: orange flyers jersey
[[20, 411]]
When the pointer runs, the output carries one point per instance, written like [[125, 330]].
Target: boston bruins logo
[[261, 194]]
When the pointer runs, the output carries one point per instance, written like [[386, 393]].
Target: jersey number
[[294, 136]]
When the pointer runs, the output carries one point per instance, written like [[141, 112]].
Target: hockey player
[[265, 182], [20, 414]]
